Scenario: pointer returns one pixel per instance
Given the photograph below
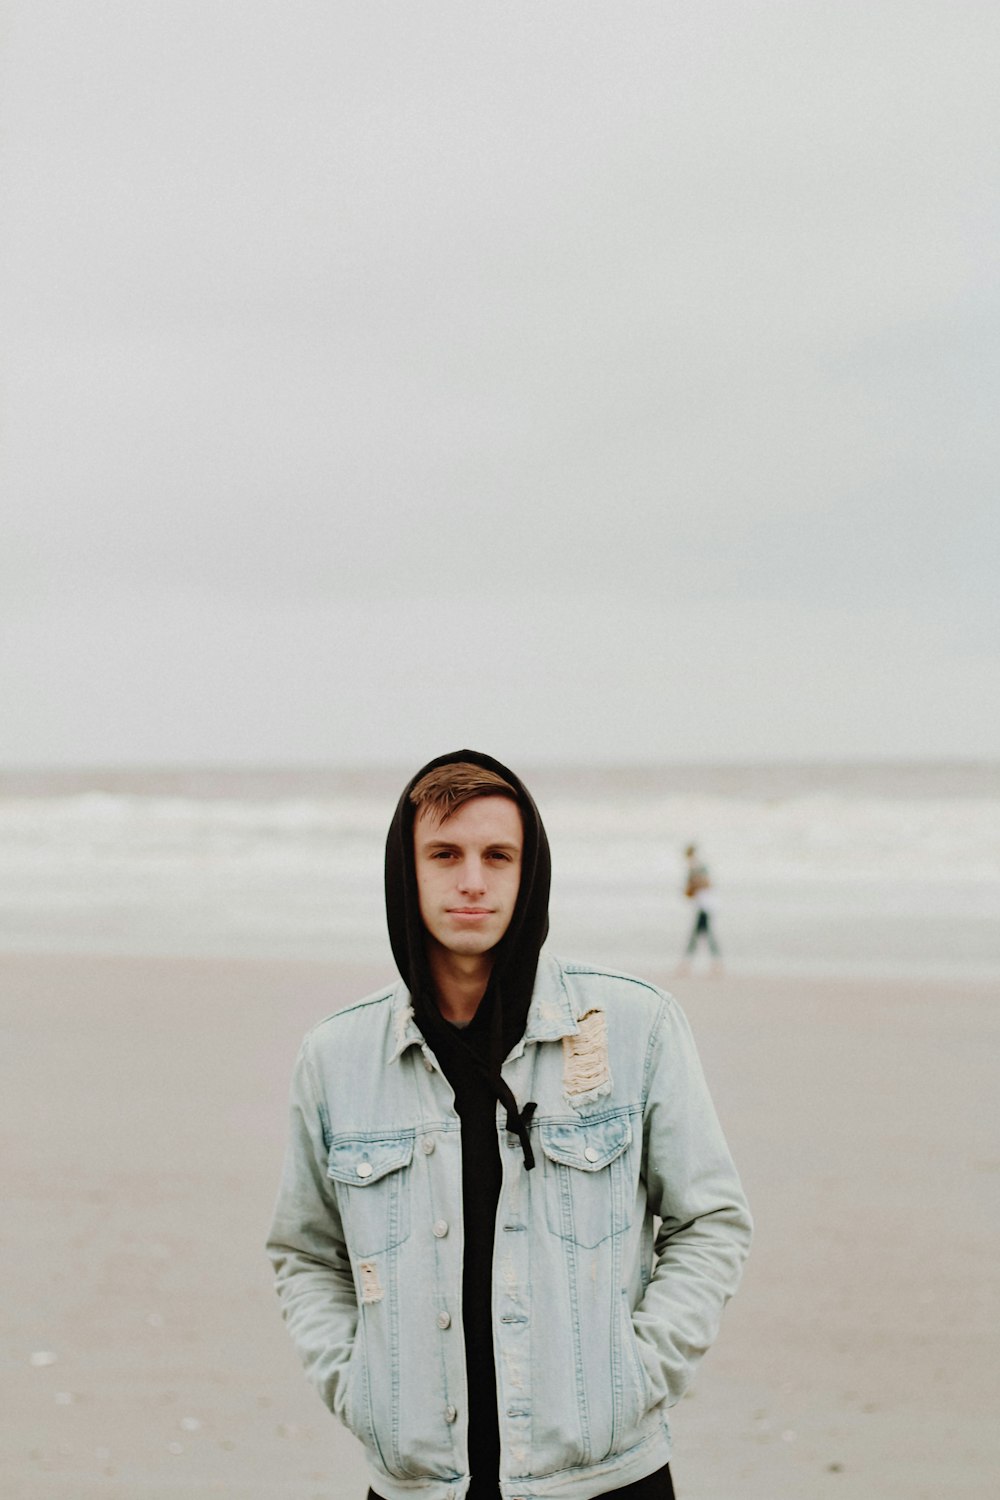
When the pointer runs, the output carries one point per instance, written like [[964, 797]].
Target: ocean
[[885, 870]]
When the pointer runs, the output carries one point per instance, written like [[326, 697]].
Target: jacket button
[[591, 1153], [364, 1169], [450, 1414], [427, 1145], [444, 1320], [440, 1228]]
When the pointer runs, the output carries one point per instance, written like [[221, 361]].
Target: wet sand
[[142, 1118]]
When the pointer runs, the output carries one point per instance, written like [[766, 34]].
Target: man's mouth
[[470, 911]]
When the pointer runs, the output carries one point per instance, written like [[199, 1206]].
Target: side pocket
[[349, 1408], [357, 1401], [640, 1380]]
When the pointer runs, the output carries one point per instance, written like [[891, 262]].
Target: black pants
[[702, 925], [658, 1486]]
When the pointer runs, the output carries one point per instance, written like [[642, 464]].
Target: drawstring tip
[[520, 1123]]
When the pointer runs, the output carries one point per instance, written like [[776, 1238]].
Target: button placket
[[514, 1334]]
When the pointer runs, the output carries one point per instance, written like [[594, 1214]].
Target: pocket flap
[[361, 1162], [586, 1144]]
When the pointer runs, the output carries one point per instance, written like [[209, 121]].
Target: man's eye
[[498, 854]]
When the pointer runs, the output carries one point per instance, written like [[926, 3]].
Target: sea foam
[[830, 878]]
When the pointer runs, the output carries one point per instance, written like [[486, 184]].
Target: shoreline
[[818, 972]]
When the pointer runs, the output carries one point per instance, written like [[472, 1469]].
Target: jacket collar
[[552, 1013]]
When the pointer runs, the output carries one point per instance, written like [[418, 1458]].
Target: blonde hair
[[447, 788]]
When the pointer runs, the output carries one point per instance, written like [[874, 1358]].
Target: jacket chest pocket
[[373, 1190], [587, 1184]]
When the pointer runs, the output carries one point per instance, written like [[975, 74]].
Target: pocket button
[[364, 1169]]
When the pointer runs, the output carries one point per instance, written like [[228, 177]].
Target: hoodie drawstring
[[518, 1122]]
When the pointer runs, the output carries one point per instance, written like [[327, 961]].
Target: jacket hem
[[648, 1455]]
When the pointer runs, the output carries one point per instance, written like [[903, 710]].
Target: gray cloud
[[667, 315]]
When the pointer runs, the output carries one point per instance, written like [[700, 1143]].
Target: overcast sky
[[589, 382]]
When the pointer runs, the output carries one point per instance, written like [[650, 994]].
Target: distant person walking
[[699, 890]]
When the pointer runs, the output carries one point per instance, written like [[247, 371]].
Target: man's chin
[[468, 944], [472, 947]]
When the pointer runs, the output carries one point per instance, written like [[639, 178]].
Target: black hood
[[503, 1011]]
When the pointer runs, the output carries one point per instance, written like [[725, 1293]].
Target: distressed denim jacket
[[613, 1258]]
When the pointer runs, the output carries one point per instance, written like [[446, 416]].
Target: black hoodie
[[471, 1060]]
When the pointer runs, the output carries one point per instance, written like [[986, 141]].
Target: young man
[[508, 1221]]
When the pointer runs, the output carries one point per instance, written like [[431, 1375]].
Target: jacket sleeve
[[705, 1229], [307, 1248]]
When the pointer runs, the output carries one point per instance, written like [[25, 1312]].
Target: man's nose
[[471, 875]]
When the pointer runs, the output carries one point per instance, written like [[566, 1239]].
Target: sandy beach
[[142, 1109]]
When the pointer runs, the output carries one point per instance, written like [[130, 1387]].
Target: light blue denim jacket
[[598, 1322]]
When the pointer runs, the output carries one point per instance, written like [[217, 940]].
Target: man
[[698, 889], [464, 1236]]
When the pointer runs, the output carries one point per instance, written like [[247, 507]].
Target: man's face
[[469, 873]]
